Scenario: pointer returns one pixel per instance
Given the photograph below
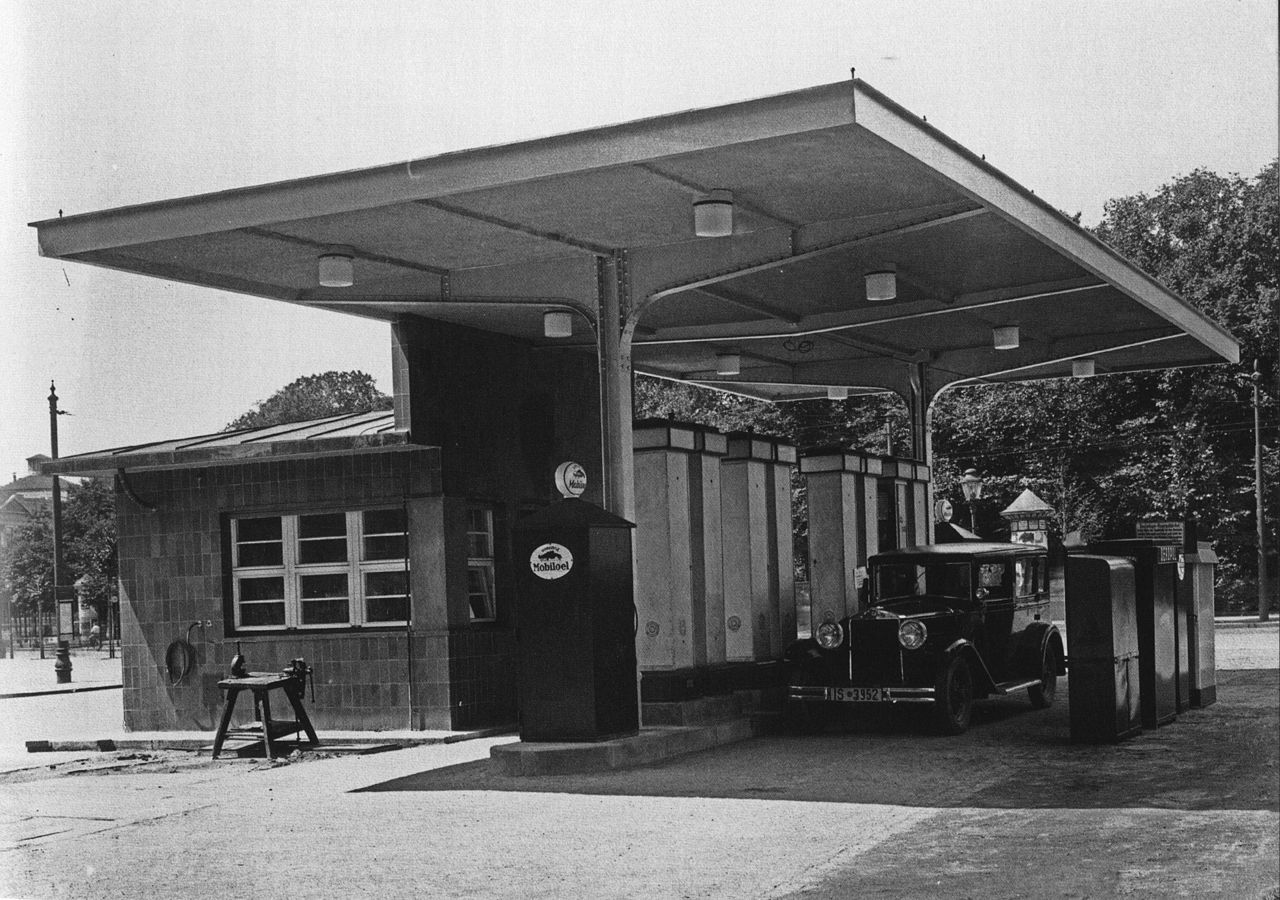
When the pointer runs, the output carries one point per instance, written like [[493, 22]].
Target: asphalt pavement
[[874, 806]]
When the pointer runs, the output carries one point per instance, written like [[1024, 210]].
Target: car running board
[[1008, 687]]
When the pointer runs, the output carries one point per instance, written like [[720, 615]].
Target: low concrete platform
[[651, 744]]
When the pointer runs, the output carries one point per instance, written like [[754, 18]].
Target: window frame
[[355, 567], [485, 565]]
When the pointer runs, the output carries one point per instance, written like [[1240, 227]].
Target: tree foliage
[[88, 545], [1109, 451], [314, 397]]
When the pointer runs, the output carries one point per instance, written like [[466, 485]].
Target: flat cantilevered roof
[[828, 183]]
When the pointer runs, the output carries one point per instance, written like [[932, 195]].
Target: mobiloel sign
[[571, 479], [551, 561]]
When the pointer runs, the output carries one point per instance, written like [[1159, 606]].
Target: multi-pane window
[[320, 570], [480, 594]]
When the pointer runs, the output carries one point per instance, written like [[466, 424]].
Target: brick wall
[[173, 574]]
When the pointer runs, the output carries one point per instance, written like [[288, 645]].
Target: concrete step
[[702, 711], [650, 745]]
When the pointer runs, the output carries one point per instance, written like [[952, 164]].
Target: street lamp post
[[62, 659], [1264, 596], [971, 484]]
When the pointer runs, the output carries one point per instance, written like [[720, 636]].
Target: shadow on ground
[[1221, 758]]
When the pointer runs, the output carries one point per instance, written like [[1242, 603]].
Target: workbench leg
[[228, 706], [266, 723], [295, 700]]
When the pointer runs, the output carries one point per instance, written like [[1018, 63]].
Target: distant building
[[21, 500]]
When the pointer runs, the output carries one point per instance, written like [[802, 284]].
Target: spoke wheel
[[953, 700], [1042, 694]]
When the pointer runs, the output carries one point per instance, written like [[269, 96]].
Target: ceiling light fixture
[[837, 393], [713, 214], [728, 362], [1083, 368], [1005, 337], [337, 267], [556, 323], [881, 286]]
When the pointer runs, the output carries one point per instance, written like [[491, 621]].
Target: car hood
[[911, 607]]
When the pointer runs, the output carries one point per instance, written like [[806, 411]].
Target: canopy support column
[[614, 352]]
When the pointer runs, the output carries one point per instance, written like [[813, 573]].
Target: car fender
[[1038, 637], [981, 674]]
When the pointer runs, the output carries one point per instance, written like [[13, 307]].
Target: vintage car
[[942, 625]]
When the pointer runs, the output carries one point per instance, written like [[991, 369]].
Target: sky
[[112, 103]]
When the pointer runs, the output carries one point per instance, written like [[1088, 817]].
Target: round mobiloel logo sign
[[943, 511], [1182, 567], [551, 561], [571, 479]]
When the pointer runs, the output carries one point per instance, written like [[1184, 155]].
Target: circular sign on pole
[[571, 479], [551, 561], [1182, 567], [942, 511]]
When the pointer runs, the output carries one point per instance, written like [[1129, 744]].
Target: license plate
[[859, 695]]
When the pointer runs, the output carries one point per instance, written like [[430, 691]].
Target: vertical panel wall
[[753, 483], [838, 530], [672, 617], [783, 576], [845, 527], [706, 532]]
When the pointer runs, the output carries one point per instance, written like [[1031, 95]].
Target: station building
[[821, 243]]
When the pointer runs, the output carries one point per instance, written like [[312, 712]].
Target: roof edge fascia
[[461, 171], [986, 184]]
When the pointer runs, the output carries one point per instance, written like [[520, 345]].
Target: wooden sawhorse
[[262, 684]]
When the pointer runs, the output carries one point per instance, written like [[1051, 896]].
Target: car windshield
[[903, 579]]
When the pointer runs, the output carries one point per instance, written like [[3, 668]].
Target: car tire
[[1042, 694], [953, 697]]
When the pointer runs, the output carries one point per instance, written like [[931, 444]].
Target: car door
[[995, 593]]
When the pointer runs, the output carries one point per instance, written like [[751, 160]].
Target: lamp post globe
[[971, 484]]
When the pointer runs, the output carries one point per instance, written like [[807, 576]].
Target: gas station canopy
[[822, 186]]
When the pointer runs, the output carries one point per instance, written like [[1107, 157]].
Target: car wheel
[[953, 697], [1042, 694]]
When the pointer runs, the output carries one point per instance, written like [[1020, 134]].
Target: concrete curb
[[74, 690]]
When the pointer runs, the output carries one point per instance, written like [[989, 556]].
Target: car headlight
[[911, 634], [829, 636]]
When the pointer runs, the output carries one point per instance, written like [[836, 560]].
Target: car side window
[[992, 582], [1024, 577]]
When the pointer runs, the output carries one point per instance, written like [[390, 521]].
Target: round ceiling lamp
[[1083, 368], [713, 214], [337, 267], [837, 393], [1005, 337], [728, 362], [881, 286], [557, 323]]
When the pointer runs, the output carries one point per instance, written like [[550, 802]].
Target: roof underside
[[828, 183]]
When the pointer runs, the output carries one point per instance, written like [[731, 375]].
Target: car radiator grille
[[876, 657]]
